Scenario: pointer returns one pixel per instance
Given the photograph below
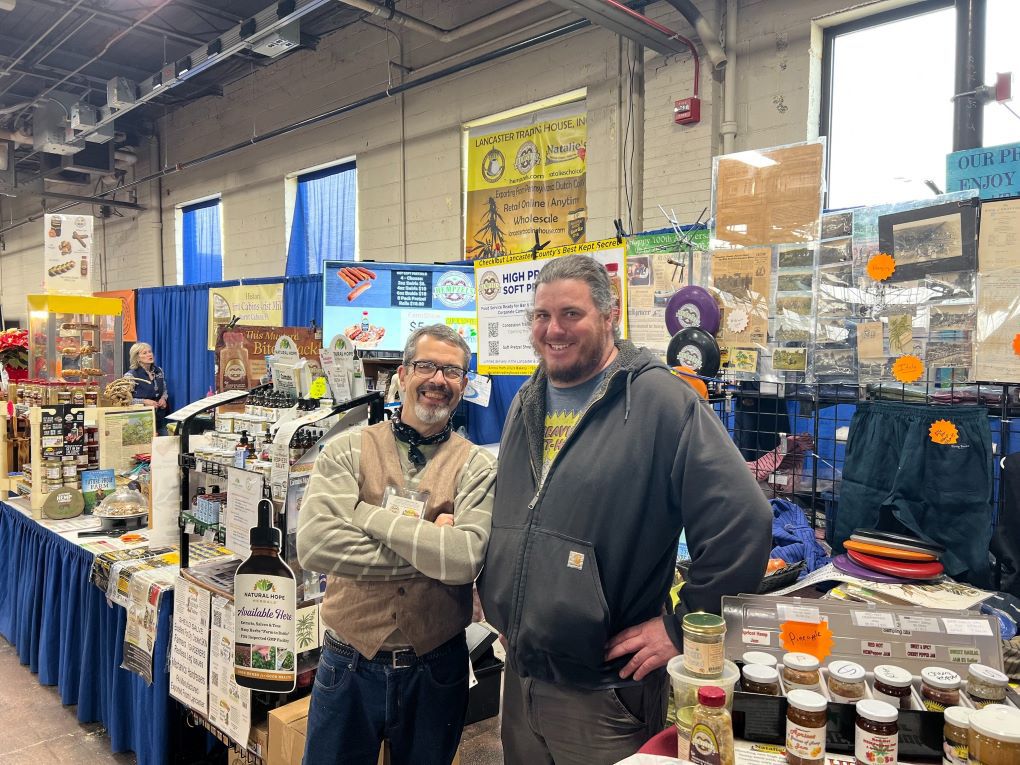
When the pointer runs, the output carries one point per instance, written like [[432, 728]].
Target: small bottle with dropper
[[265, 602]]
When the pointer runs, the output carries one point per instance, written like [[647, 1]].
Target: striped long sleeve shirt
[[341, 535]]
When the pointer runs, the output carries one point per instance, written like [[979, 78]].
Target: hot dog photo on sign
[[378, 305]]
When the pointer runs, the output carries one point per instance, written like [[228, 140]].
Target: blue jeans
[[358, 702]]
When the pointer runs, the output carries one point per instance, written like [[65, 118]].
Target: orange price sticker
[[1016, 344], [881, 266], [815, 639], [908, 369], [943, 432]]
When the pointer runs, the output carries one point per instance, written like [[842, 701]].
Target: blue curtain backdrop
[[324, 219], [302, 301], [175, 321], [203, 245]]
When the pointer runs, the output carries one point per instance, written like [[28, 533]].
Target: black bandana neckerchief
[[414, 439]]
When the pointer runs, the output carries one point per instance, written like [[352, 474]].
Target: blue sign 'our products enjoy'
[[994, 171]]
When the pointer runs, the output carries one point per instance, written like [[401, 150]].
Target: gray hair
[[585, 269], [437, 332], [135, 352]]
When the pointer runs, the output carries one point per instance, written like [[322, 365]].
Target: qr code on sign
[[494, 347], [494, 330]]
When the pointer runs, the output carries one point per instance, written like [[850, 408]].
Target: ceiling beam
[[54, 74], [123, 21], [91, 200], [77, 59]]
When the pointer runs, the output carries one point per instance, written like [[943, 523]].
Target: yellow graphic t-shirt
[[563, 408], [557, 427]]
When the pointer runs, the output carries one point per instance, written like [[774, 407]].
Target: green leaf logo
[[264, 585]]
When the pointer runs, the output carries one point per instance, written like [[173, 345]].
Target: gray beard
[[431, 415]]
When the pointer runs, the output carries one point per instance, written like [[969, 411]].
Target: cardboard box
[[258, 742], [287, 727]]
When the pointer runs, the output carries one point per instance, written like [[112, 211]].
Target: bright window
[[890, 85], [324, 220], [202, 242]]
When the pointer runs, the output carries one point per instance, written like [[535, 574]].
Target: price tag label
[[791, 613], [959, 655], [919, 623], [943, 432], [967, 627], [921, 651], [756, 637], [876, 648], [815, 639], [879, 619]]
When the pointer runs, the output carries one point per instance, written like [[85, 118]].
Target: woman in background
[[150, 384]]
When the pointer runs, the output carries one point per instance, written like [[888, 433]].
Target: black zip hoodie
[[589, 551]]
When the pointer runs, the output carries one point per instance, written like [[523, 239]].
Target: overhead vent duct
[[626, 22], [272, 32]]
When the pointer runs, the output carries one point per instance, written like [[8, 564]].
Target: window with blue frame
[[323, 224], [202, 242]]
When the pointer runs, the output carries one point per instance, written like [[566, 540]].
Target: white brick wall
[[671, 166]]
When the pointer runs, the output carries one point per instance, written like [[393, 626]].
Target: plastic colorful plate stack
[[892, 555]]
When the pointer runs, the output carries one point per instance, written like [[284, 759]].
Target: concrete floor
[[37, 728]]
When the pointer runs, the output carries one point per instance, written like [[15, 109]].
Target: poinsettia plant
[[14, 349]]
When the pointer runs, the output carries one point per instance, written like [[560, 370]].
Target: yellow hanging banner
[[523, 179], [255, 305]]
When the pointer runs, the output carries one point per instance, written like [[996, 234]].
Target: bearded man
[[605, 457], [398, 514]]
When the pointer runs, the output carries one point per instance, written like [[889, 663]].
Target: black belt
[[405, 657]]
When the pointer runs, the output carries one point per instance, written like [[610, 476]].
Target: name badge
[[405, 501]]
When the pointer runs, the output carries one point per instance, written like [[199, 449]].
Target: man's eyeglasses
[[427, 369]]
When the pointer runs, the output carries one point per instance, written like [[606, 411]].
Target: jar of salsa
[[892, 685], [806, 719], [940, 688], [876, 733]]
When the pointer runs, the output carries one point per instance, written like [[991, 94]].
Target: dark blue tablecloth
[[66, 632]]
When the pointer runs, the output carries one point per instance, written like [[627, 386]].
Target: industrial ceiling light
[[247, 29], [284, 8], [157, 81], [183, 66], [214, 48]]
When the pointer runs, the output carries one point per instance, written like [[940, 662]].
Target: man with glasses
[[398, 515]]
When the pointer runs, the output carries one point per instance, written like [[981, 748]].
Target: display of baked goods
[[125, 502]]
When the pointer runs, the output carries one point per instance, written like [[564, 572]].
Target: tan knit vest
[[426, 611]]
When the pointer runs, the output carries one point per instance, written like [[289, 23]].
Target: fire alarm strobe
[[687, 111]]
